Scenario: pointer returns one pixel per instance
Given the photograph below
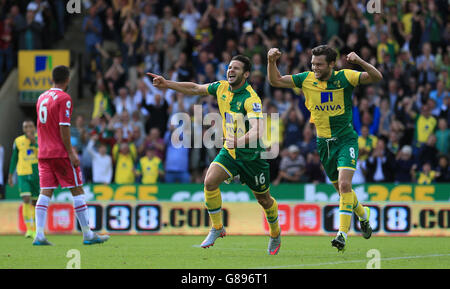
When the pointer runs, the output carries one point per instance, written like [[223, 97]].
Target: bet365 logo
[[73, 6]]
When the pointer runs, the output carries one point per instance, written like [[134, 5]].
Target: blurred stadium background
[[403, 168]]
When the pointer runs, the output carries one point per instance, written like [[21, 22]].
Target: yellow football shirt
[[149, 169], [124, 173], [24, 156], [236, 107], [424, 128], [330, 102]]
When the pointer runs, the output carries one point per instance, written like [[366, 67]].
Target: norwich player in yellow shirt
[[328, 96], [24, 159], [236, 100]]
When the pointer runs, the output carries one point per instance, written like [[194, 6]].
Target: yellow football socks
[[25, 215], [345, 211], [272, 219], [213, 201], [357, 207], [28, 216]]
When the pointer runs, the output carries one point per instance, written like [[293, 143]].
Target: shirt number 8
[[352, 153]]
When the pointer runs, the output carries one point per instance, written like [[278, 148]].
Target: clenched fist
[[273, 54], [353, 58]]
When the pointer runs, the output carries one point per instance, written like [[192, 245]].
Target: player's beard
[[322, 74], [319, 75], [237, 80]]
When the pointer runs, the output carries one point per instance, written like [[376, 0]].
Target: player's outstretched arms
[[187, 88], [370, 74], [273, 74]]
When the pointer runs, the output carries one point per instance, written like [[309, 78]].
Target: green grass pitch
[[231, 252]]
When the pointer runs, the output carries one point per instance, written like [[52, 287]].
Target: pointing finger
[[152, 74]]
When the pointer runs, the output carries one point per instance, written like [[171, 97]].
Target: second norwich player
[[24, 159], [236, 100], [328, 96]]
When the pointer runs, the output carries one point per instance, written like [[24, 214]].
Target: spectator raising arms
[[380, 164], [124, 156], [102, 165]]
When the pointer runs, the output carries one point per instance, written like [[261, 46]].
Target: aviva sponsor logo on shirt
[[326, 102]]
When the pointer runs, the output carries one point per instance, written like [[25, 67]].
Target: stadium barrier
[[240, 218], [304, 209], [376, 192]]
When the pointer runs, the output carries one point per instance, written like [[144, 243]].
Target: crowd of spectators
[[402, 122], [29, 25]]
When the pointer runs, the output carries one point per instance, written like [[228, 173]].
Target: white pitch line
[[329, 263], [354, 261], [248, 249]]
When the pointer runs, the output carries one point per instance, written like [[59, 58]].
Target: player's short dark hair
[[329, 52], [443, 156], [28, 119], [244, 59], [60, 74]]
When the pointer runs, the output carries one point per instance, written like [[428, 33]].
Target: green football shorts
[[29, 185], [255, 173], [338, 153]]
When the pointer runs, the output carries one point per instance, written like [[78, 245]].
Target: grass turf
[[231, 252]]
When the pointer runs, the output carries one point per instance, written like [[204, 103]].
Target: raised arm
[[90, 147], [273, 74], [187, 88], [370, 74]]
